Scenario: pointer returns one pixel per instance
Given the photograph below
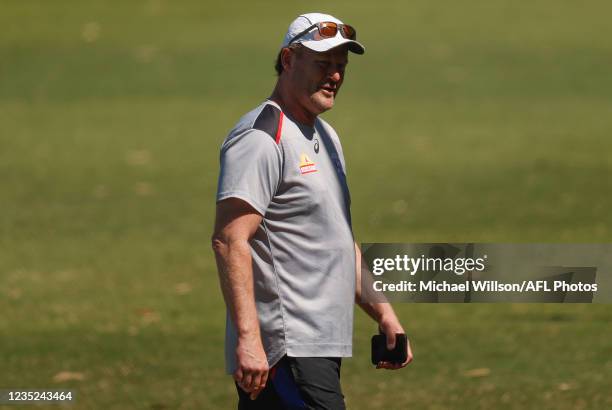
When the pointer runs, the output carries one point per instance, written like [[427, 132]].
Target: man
[[288, 264]]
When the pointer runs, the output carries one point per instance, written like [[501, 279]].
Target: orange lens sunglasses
[[329, 29]]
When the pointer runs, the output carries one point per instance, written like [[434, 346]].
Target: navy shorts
[[299, 383]]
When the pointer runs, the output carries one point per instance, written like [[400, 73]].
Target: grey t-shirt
[[303, 251]]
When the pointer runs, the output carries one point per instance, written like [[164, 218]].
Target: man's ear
[[287, 56]]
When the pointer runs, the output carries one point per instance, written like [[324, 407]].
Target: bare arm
[[236, 222], [382, 313]]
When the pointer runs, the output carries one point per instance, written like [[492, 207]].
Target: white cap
[[311, 39]]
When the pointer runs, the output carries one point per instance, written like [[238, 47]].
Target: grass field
[[484, 121]]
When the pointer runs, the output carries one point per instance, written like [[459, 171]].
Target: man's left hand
[[390, 328]]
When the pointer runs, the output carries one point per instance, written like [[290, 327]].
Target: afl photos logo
[[306, 165]]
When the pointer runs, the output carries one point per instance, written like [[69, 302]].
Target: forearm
[[234, 266], [381, 310], [378, 311]]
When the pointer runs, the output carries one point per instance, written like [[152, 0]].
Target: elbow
[[218, 243], [222, 242]]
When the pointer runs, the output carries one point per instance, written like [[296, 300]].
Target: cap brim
[[329, 43]]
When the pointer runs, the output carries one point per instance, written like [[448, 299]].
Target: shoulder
[[270, 121], [324, 126], [266, 119]]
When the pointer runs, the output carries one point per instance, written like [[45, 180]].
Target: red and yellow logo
[[306, 165]]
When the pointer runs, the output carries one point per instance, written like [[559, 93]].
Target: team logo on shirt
[[306, 165]]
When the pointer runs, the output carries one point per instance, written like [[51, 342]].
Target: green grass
[[464, 121]]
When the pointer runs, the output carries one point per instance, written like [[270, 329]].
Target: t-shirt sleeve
[[251, 165]]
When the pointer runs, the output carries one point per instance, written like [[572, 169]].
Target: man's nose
[[335, 74]]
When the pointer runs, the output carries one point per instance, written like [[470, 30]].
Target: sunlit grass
[[478, 121]]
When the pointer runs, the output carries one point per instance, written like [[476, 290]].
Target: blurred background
[[485, 121]]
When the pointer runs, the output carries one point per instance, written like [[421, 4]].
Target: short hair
[[296, 47]]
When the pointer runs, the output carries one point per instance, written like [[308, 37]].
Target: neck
[[290, 104]]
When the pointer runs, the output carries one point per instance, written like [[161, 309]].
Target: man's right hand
[[252, 371]]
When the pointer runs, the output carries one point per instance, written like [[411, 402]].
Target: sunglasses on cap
[[329, 29]]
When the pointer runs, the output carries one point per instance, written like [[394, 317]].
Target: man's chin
[[323, 102]]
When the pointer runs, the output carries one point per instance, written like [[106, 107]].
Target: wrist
[[248, 333], [390, 322]]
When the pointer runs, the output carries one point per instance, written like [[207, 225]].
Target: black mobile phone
[[381, 354]]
